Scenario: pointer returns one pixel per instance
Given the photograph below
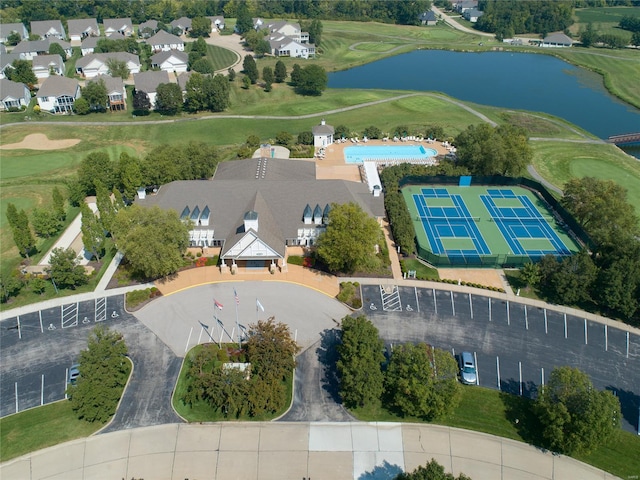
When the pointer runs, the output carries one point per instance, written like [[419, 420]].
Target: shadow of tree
[[519, 411], [328, 357], [386, 471], [629, 405]]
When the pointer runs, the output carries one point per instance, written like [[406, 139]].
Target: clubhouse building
[[256, 212]]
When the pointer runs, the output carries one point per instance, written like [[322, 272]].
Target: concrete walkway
[[265, 451]]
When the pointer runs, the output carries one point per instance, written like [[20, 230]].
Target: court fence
[[497, 261]]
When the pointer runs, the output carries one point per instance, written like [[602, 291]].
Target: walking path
[[266, 451]]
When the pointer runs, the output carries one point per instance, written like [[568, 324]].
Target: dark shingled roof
[[274, 169]]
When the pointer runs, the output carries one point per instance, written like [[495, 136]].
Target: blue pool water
[[360, 153]]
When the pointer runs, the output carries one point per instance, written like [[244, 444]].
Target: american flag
[[217, 304], [236, 295]]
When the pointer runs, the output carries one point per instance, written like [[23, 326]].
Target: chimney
[[251, 221]]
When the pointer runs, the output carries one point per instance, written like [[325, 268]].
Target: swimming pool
[[360, 153]]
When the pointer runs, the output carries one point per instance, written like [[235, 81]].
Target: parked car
[[468, 374], [74, 373]]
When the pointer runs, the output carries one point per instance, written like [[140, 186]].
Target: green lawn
[[603, 19], [422, 271], [41, 427], [221, 58]]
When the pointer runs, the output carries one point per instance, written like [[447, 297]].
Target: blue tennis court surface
[[449, 222], [525, 222]]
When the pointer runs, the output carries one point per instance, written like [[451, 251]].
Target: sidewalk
[[280, 450]]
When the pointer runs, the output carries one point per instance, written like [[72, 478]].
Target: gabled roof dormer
[[186, 212], [307, 215], [204, 216], [317, 215]]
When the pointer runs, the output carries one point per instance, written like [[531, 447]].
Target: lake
[[523, 81]]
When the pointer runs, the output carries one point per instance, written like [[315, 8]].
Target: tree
[[262, 48], [168, 98], [22, 236], [313, 80], [348, 242], [13, 217], [244, 22], [421, 381], [153, 240], [284, 138], [45, 222], [372, 132], [118, 68], [216, 93], [93, 236], [65, 270], [250, 68], [305, 138], [38, 285], [96, 167], [194, 96], [588, 36], [267, 75], [572, 279], [431, 471], [199, 46], [530, 274], [95, 93], [130, 175], [635, 39], [271, 350], [20, 71], [202, 65], [104, 369], [81, 106], [13, 39], [253, 141], [618, 284], [360, 362], [200, 27], [575, 417], [56, 49], [486, 150], [315, 32], [58, 204], [602, 208], [246, 82], [296, 75], [280, 72], [141, 103], [232, 74], [10, 286], [342, 131], [106, 208]]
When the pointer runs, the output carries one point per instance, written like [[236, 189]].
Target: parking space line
[[435, 302], [520, 375], [42, 391], [628, 356], [508, 315], [526, 319], [40, 315], [586, 340], [489, 308], [470, 306], [16, 389], [546, 329], [565, 325], [475, 357], [19, 329], [66, 375], [453, 305], [200, 336], [542, 376], [498, 371], [606, 338], [391, 301], [186, 347], [415, 289], [69, 314]]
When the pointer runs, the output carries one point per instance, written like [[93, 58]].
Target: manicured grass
[[509, 416], [422, 271], [41, 427], [603, 19], [516, 283], [221, 58]]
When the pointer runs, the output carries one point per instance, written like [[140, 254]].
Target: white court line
[[186, 347]]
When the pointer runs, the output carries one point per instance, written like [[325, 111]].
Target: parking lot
[[516, 346], [39, 347]]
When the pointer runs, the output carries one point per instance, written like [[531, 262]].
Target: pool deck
[[333, 166]]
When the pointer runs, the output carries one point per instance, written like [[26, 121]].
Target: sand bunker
[[39, 141]]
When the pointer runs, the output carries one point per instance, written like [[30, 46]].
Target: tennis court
[[467, 223]]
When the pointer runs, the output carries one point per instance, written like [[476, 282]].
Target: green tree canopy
[[431, 471], [141, 103], [602, 208], [93, 235], [312, 80], [271, 350], [244, 22], [618, 284], [22, 236], [45, 222], [130, 175], [200, 27], [20, 71], [486, 150], [360, 362], [250, 68], [56, 49], [58, 204], [65, 270], [422, 381], [96, 167], [178, 161], [118, 68], [95, 93], [81, 106], [348, 243], [267, 74], [202, 65], [575, 417], [280, 72], [103, 374], [153, 240], [168, 98]]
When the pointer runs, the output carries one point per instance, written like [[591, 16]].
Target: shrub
[[295, 260]]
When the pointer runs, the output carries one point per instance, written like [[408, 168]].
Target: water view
[[502, 79]]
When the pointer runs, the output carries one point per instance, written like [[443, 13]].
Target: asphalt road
[[516, 346]]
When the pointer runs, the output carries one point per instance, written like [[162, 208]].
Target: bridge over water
[[625, 139]]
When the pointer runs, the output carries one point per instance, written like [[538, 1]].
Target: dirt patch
[[487, 277], [39, 141]]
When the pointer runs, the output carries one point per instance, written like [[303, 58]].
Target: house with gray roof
[[217, 23], [6, 59], [322, 134], [45, 65], [48, 29], [163, 41], [95, 64], [148, 82], [28, 50], [13, 95], [472, 14], [122, 25], [428, 18], [182, 23], [170, 61], [556, 40], [82, 28], [89, 44], [255, 210], [182, 80], [148, 28], [116, 93], [7, 29], [57, 94]]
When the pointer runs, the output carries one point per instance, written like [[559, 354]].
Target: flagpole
[[215, 317]]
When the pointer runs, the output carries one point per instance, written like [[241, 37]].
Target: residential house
[[557, 40], [182, 23], [170, 61], [182, 80], [148, 28], [256, 219], [116, 93], [7, 29], [89, 44], [48, 29], [95, 64], [82, 28], [115, 36], [122, 25], [283, 46], [30, 49], [322, 134], [57, 94], [45, 65], [428, 18], [6, 59], [282, 28], [472, 15], [465, 5], [13, 95], [217, 23], [148, 82], [163, 41]]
